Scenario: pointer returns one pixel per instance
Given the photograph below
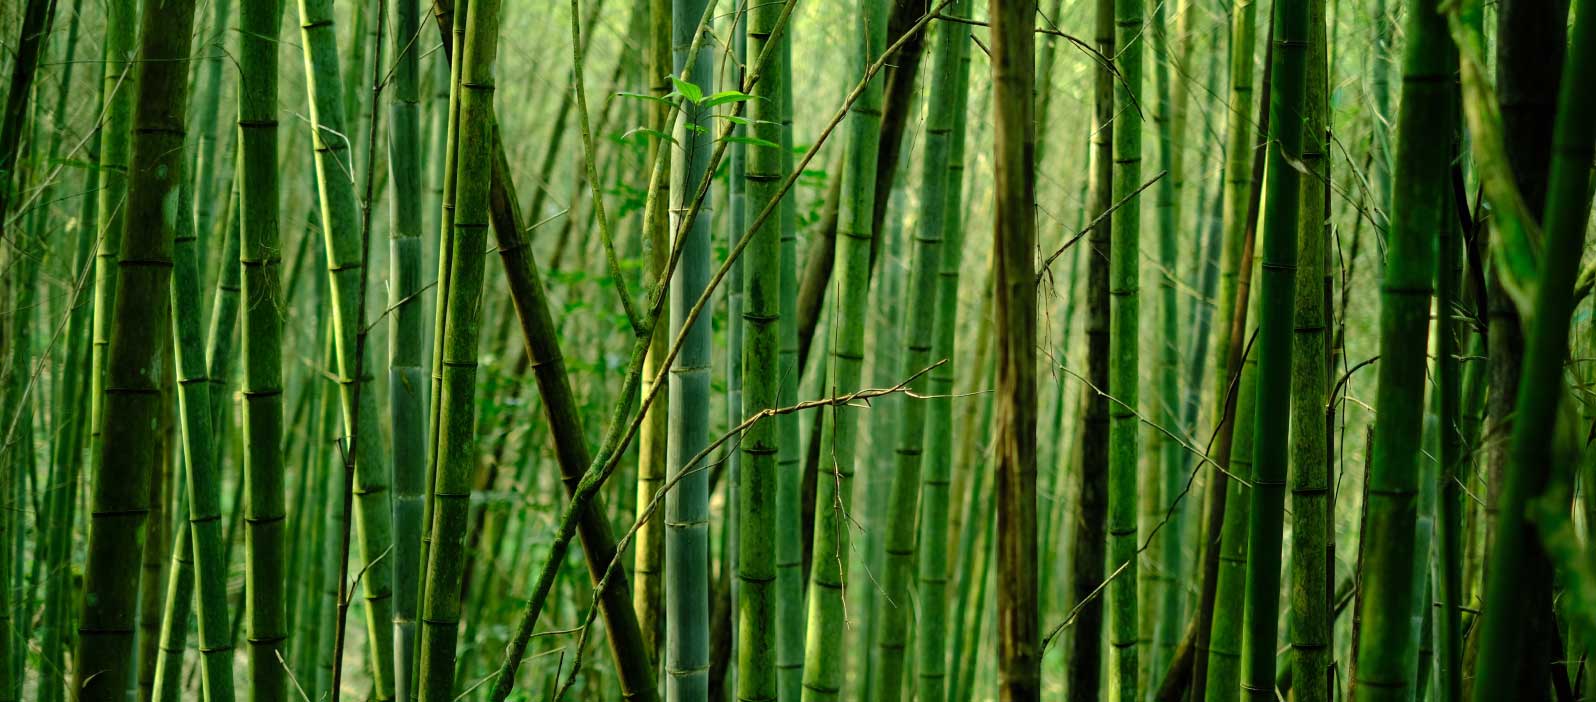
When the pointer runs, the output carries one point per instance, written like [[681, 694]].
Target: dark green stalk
[[932, 634], [789, 468], [913, 472], [687, 616], [1532, 457], [206, 157], [126, 459], [199, 539], [649, 598], [1014, 295], [441, 610], [824, 650], [1161, 612], [1124, 341], [756, 482], [1312, 554], [453, 34], [1452, 452], [1385, 643], [341, 231], [407, 382], [1222, 679], [1089, 536], [1276, 322], [261, 331]]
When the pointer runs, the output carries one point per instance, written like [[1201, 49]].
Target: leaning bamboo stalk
[[571, 451], [200, 538], [341, 230], [1532, 453]]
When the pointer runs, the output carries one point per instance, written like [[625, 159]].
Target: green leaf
[[657, 134], [693, 93], [734, 119], [753, 141], [643, 96], [726, 96]]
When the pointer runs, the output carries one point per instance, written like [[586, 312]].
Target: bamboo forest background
[[797, 350]]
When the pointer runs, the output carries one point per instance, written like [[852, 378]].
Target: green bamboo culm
[[1222, 681], [1217, 645], [649, 549], [824, 641], [1385, 644], [165, 678], [455, 37], [127, 454], [217, 352], [340, 225], [1089, 532], [764, 167], [1276, 319], [25, 245], [442, 608], [61, 496], [1311, 620], [1125, 366], [203, 149], [1019, 645], [259, 257], [911, 479], [687, 572], [1161, 592], [789, 465], [1532, 454], [1455, 461], [952, 71], [407, 388], [200, 538], [117, 93], [118, 90]]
